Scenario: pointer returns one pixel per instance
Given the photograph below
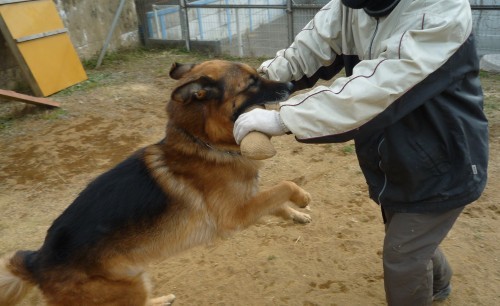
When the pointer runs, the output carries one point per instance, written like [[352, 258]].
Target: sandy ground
[[48, 156]]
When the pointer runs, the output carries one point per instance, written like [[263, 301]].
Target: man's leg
[[442, 273], [410, 246]]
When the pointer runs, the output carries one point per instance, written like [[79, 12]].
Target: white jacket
[[398, 52], [412, 100]]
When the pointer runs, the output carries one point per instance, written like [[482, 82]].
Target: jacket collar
[[374, 8]]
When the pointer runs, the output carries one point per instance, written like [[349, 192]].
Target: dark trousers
[[414, 266]]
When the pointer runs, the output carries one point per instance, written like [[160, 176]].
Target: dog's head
[[210, 96]]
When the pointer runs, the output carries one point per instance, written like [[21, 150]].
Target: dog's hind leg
[[80, 290]]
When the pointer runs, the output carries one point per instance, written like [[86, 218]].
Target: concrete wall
[[10, 74], [88, 23]]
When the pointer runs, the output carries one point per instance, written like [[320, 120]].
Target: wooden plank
[[40, 35], [12, 1], [12, 95]]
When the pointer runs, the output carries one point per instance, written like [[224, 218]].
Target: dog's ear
[[200, 89], [177, 70]]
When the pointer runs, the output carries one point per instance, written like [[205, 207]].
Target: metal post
[[185, 22], [228, 18], [157, 22], [200, 24], [110, 33], [238, 30], [289, 12], [250, 18]]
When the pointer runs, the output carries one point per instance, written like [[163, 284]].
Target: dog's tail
[[15, 279]]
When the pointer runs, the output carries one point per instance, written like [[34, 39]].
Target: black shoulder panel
[[122, 197]]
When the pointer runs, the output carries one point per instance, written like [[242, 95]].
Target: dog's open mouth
[[282, 92]]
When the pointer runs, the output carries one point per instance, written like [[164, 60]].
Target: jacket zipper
[[373, 39], [383, 139], [382, 169]]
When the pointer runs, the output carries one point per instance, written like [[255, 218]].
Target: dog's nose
[[289, 86]]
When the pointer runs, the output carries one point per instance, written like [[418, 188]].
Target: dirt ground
[[48, 156]]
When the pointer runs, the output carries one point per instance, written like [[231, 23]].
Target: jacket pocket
[[432, 156], [412, 163]]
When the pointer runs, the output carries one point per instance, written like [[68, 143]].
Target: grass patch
[[121, 56], [489, 75], [348, 149], [54, 114], [491, 104], [9, 115], [5, 123], [95, 79]]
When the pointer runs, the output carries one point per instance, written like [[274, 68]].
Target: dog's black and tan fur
[[188, 189]]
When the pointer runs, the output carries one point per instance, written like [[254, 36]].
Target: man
[[413, 104]]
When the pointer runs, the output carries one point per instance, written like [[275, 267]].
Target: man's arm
[[315, 48], [381, 91]]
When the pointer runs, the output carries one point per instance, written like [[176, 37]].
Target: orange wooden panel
[[53, 62], [49, 63], [32, 17]]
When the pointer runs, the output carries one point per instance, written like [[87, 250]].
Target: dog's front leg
[[268, 201], [166, 300], [287, 213]]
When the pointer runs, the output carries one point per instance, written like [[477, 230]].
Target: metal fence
[[486, 28], [258, 28]]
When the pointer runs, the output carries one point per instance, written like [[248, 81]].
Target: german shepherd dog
[[186, 190]]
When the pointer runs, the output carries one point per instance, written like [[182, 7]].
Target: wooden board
[[12, 95], [41, 45]]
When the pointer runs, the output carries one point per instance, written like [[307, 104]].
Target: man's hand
[[262, 70], [265, 121]]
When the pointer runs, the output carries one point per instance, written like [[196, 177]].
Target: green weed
[[95, 79], [348, 149]]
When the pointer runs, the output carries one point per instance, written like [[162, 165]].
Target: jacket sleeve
[[424, 39], [317, 45]]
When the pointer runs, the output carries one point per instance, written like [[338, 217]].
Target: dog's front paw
[[301, 217], [165, 300], [301, 198]]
